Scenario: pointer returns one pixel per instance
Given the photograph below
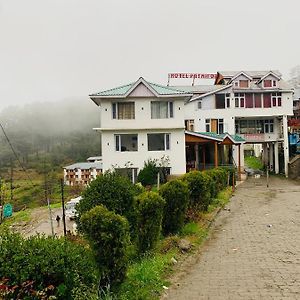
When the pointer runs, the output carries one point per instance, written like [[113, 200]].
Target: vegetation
[[112, 190], [219, 177], [149, 208], [41, 266], [108, 234], [254, 163], [176, 195], [148, 175]]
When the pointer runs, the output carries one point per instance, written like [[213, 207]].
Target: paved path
[[254, 249]]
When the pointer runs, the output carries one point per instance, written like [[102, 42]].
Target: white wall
[[111, 157]]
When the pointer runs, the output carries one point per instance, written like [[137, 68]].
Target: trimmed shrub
[[148, 175], [200, 186], [149, 208], [108, 234], [44, 265], [176, 195], [232, 173], [219, 177], [111, 190]]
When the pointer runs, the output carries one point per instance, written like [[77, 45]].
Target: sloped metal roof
[[85, 165]]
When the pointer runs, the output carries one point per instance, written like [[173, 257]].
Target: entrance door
[[214, 125]]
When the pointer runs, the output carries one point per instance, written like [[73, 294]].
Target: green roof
[[235, 138], [122, 90]]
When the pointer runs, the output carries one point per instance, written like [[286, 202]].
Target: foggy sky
[[54, 49]]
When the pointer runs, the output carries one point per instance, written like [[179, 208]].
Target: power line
[[16, 155]]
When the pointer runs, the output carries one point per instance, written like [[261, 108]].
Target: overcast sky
[[55, 49]]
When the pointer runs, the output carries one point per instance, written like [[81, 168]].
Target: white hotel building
[[143, 120]]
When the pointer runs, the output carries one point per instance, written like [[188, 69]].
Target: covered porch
[[205, 150]]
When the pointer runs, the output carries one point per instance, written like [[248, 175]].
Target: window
[[254, 126], [220, 101], [162, 109], [274, 82], [276, 99], [267, 83], [123, 110], [269, 126], [189, 125], [239, 99], [200, 105], [244, 83], [227, 99], [214, 125], [249, 100], [257, 100], [126, 142], [267, 100], [158, 141]]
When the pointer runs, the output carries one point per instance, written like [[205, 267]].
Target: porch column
[[276, 158], [285, 145], [216, 154], [271, 160], [239, 162], [203, 156], [197, 156]]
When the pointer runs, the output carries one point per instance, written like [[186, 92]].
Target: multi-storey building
[[82, 173], [254, 105], [142, 121]]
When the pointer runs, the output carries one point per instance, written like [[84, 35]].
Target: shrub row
[[114, 215]]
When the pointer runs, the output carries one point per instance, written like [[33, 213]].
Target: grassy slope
[[254, 163]]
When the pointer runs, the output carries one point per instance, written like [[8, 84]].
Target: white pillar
[[276, 158], [271, 160], [285, 145]]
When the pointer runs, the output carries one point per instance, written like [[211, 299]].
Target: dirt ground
[[253, 251], [40, 223]]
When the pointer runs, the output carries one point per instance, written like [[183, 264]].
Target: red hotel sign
[[193, 75]]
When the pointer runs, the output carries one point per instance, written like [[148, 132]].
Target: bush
[[111, 190], [149, 213], [200, 186], [219, 177], [148, 175], [232, 174], [50, 266], [108, 234], [176, 195]]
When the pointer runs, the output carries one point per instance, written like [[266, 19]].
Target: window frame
[[170, 110], [115, 110], [167, 141], [118, 142]]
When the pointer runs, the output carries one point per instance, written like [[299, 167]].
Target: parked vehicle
[[71, 207]]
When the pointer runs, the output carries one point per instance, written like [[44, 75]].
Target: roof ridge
[[112, 89], [165, 87]]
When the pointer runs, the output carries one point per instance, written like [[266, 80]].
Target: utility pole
[[48, 201], [63, 205], [11, 180]]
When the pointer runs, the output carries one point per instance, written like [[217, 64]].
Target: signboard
[[254, 137], [8, 210], [192, 75]]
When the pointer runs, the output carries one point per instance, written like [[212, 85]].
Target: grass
[[254, 163], [17, 217], [147, 277]]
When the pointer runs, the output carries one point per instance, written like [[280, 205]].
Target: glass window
[[257, 100], [267, 83], [126, 142], [244, 83], [199, 104], [267, 100], [162, 110], [220, 126], [220, 101], [158, 141], [123, 110], [249, 100]]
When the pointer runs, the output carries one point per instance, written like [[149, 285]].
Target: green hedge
[[176, 195], [200, 186], [53, 266], [149, 208], [148, 175], [108, 234], [219, 177], [111, 190]]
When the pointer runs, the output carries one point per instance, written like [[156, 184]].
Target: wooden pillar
[[216, 154], [196, 156], [239, 162], [203, 156]]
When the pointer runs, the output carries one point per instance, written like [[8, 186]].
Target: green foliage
[[176, 195], [45, 264], [108, 234], [200, 186], [232, 174], [254, 163], [111, 190], [149, 208], [219, 177], [148, 175]]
